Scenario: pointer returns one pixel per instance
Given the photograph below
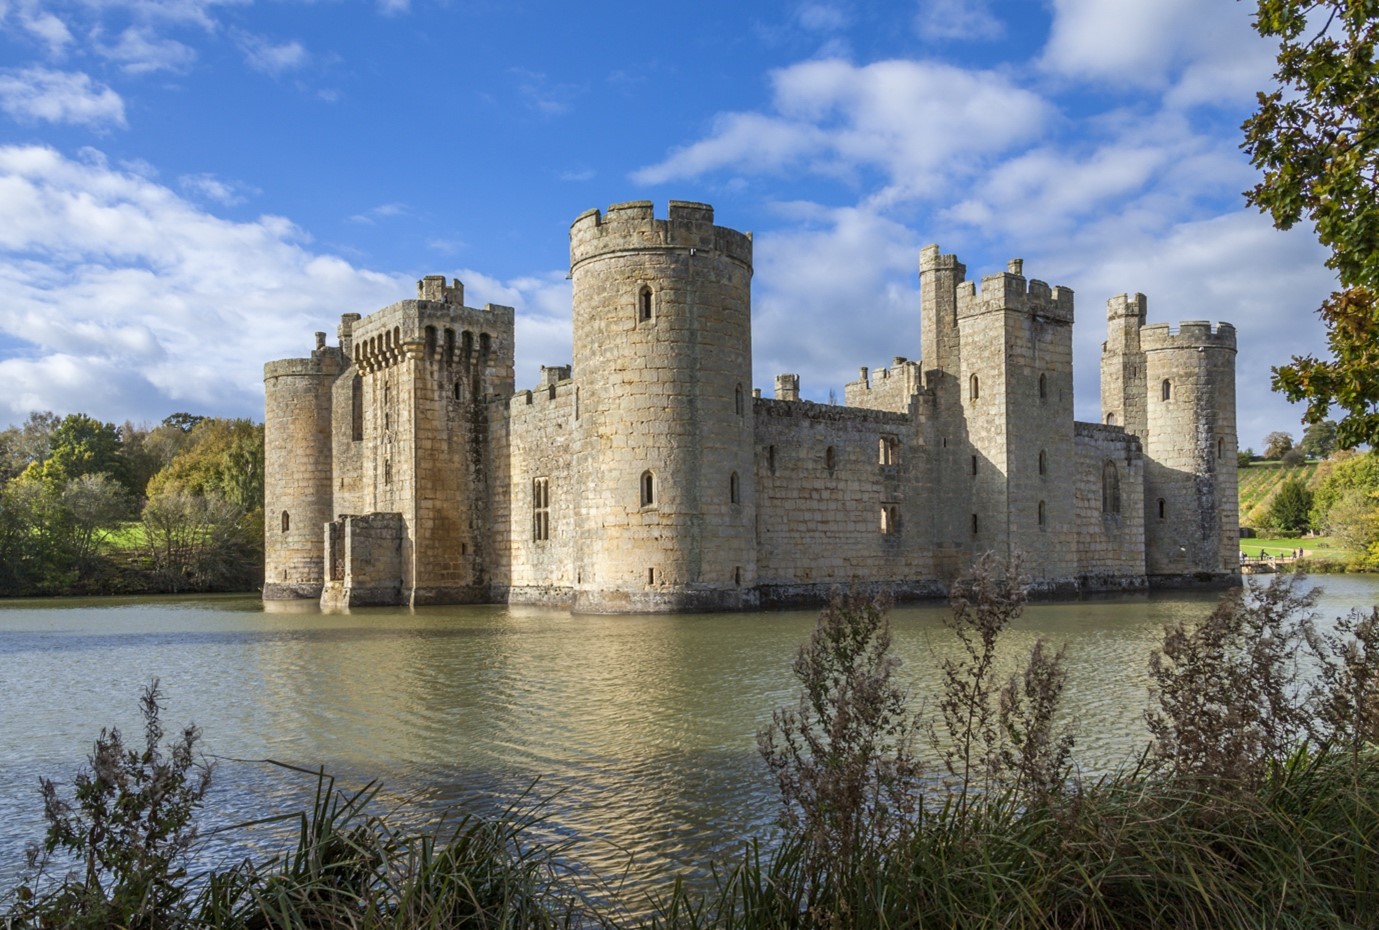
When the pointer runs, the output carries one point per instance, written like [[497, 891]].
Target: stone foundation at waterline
[[404, 467]]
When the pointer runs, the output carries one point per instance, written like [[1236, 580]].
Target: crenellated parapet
[[1191, 334], [1011, 290], [633, 227], [435, 328]]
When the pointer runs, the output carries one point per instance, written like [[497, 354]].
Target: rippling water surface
[[640, 731]]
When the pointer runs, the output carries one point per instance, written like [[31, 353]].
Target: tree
[[1291, 508], [1277, 443], [1319, 439], [20, 446], [1316, 139], [82, 446]]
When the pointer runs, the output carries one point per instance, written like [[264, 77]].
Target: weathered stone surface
[[651, 476]]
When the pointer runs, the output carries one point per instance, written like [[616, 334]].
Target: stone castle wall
[[542, 497], [663, 448], [650, 476], [297, 470], [840, 500], [1109, 520], [1192, 519]]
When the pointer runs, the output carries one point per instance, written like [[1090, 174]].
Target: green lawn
[[127, 536], [1314, 547]]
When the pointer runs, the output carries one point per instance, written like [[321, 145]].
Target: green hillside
[[1260, 481]]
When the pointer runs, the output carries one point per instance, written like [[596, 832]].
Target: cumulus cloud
[[42, 94], [47, 28], [543, 325], [1201, 53], [126, 300], [835, 288], [918, 122]]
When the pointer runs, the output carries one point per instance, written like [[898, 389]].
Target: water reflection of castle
[[403, 468]]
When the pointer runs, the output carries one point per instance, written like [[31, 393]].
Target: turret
[[297, 470], [1191, 510], [663, 440], [1122, 365]]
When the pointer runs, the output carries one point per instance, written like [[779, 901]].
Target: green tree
[[1290, 511], [82, 445], [1316, 140], [1340, 475], [1319, 439], [20, 446], [224, 457], [1277, 443]]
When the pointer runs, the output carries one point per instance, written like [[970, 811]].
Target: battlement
[[931, 258], [1128, 307], [325, 362], [433, 287], [633, 227], [556, 387], [1191, 334], [430, 328], [1011, 290]]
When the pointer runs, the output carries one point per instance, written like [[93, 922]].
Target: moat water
[[639, 732]]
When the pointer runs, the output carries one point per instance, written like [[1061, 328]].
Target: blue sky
[[189, 188]]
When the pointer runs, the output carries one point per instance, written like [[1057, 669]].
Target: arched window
[[1110, 419], [830, 459], [1110, 488], [648, 489], [1043, 387], [430, 341], [1220, 447], [890, 519], [1167, 389], [771, 459], [457, 391], [1163, 510], [1043, 462], [974, 388], [644, 305], [357, 409], [733, 490], [287, 522], [737, 400], [1041, 515]]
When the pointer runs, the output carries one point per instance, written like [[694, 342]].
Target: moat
[[641, 730]]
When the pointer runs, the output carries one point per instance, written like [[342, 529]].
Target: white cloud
[[837, 289], [41, 94], [125, 300], [209, 187], [47, 28], [543, 325], [271, 58], [140, 51], [382, 211], [957, 19], [1203, 52], [918, 122]]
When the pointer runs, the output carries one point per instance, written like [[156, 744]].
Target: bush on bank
[[1256, 805]]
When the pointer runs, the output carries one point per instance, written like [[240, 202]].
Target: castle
[[403, 468]]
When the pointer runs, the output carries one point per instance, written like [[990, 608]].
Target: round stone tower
[[663, 411], [1192, 527], [297, 471]]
